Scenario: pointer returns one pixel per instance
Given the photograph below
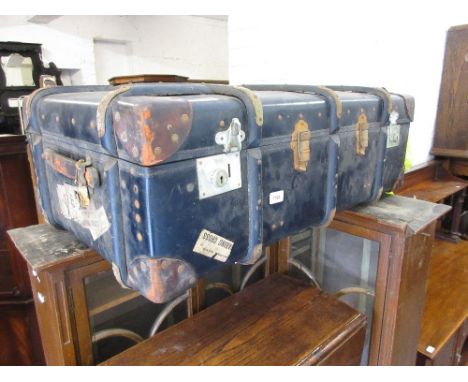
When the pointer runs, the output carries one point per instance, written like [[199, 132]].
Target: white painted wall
[[396, 44], [191, 46], [187, 45]]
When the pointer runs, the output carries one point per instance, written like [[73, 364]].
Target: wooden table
[[433, 183], [445, 321], [276, 321]]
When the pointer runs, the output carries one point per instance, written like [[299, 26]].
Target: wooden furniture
[[19, 336], [451, 133], [85, 316], [140, 78], [277, 321], [374, 257], [21, 72], [444, 329], [434, 183]]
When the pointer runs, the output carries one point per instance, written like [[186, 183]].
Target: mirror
[[18, 70]]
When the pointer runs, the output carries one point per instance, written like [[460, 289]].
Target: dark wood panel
[[7, 283], [17, 207], [276, 321], [348, 353], [19, 335], [19, 338], [451, 134], [459, 167], [411, 292]]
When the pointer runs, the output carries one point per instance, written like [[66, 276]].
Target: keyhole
[[221, 178]]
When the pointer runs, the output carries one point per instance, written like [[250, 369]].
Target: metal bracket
[[232, 137], [103, 105]]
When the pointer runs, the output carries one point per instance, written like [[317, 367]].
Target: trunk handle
[[81, 171]]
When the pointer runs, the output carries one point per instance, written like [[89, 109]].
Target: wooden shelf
[[104, 294], [431, 183]]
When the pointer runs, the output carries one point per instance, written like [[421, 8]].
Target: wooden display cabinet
[[85, 316], [451, 132], [375, 258]]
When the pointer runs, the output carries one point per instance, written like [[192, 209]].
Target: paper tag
[[96, 221], [430, 349], [276, 197], [393, 135], [69, 201], [92, 218], [213, 246]]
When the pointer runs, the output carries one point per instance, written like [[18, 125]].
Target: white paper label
[[430, 349], [393, 136], [276, 197], [213, 246], [92, 218], [68, 201]]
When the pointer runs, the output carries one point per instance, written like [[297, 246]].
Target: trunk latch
[[86, 179], [232, 137], [362, 134], [300, 145]]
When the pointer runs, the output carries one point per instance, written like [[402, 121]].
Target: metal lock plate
[[218, 174]]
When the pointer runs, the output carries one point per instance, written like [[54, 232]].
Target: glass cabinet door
[[342, 264], [119, 317], [110, 319]]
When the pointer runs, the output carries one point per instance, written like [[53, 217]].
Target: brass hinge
[[300, 145], [362, 134]]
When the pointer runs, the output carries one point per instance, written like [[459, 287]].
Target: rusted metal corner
[[102, 108], [257, 104], [362, 134], [160, 279], [300, 145], [152, 132]]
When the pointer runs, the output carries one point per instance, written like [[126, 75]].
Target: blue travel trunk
[[168, 181]]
